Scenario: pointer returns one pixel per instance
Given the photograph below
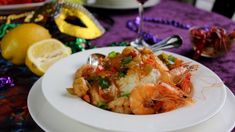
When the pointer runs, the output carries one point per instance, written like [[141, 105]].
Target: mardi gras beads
[[148, 37], [6, 82], [79, 44], [5, 27]]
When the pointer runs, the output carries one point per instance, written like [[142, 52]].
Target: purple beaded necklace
[[148, 37], [6, 81]]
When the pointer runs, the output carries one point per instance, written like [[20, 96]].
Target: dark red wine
[[142, 1]]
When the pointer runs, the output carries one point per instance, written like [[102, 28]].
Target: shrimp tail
[[186, 85]]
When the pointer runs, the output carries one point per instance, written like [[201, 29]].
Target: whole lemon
[[15, 43]]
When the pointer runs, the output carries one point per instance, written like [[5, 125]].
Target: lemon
[[15, 43], [41, 55]]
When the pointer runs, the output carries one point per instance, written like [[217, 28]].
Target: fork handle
[[174, 41]]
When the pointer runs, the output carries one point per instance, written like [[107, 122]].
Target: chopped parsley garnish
[[126, 60], [125, 94], [104, 83], [102, 105], [122, 72]]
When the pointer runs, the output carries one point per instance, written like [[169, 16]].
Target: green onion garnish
[[113, 54]]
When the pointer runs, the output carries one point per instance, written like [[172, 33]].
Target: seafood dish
[[135, 81]]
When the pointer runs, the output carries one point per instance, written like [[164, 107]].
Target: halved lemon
[[43, 54]]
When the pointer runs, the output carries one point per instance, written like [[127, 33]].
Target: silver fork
[[174, 41]]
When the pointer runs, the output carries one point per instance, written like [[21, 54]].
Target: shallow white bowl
[[209, 96]]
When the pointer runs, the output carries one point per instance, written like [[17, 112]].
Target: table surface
[[14, 108]]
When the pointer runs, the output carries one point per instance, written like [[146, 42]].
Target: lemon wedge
[[43, 54]]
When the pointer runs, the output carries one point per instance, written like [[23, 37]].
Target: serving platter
[[209, 96]]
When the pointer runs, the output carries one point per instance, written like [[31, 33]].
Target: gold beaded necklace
[[26, 15]]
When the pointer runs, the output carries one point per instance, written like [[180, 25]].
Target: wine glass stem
[[141, 11]]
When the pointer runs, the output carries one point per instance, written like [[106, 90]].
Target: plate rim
[[118, 129]]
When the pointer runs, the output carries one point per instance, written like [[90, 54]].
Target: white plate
[[8, 9], [121, 4], [50, 120], [209, 96]]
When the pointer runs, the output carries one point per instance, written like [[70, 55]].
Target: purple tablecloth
[[167, 9]]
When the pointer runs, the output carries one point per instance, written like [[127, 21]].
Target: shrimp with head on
[[156, 98]]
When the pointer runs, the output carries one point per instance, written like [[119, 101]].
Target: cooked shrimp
[[160, 65], [142, 99], [109, 94], [150, 98], [186, 84], [95, 97], [130, 51], [166, 77], [182, 77], [120, 105], [172, 97], [177, 73], [98, 94], [164, 70], [82, 69], [80, 86], [171, 104]]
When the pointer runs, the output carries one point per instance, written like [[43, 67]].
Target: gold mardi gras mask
[[91, 29]]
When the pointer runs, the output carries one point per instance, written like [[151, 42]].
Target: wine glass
[[139, 40]]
